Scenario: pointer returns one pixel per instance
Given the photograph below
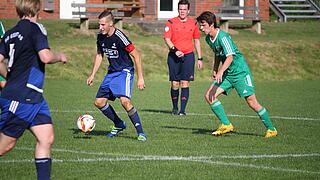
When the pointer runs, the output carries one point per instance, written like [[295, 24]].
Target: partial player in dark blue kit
[[119, 79], [22, 104]]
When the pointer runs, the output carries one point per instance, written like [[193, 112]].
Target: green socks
[[218, 110], [263, 114]]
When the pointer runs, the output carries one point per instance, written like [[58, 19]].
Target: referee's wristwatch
[[200, 59]]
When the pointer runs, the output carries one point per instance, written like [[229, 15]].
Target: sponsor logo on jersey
[[111, 53]]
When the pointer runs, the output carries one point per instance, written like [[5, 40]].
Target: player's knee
[[184, 84], [126, 103], [210, 98], [175, 85], [206, 97], [99, 103], [46, 142], [7, 148]]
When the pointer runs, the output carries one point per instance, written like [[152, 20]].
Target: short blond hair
[[27, 8]]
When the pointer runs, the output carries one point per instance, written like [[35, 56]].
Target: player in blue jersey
[[234, 73], [119, 79], [22, 104]]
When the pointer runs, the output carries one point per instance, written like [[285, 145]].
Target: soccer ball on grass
[[86, 123]]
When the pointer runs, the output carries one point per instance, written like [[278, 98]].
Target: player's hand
[[141, 84], [63, 58], [179, 54], [90, 80], [200, 64], [213, 75], [218, 77]]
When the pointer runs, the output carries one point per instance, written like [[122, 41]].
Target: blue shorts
[[181, 68], [116, 84], [17, 117]]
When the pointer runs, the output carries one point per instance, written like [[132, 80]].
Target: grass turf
[[179, 147]]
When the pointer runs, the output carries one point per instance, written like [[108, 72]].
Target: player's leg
[[174, 77], [263, 114], [41, 127], [44, 134], [211, 97], [6, 143], [108, 111], [184, 96], [187, 75], [134, 117], [104, 94], [174, 92]]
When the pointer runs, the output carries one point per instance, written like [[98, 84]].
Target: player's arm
[[215, 68], [3, 67], [224, 67], [173, 48], [198, 49], [49, 57], [95, 68], [137, 59]]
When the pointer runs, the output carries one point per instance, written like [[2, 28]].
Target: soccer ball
[[86, 123]]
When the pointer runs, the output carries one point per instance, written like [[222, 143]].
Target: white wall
[[66, 9]]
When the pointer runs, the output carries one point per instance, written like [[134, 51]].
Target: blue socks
[[43, 166], [174, 98], [184, 99], [108, 111], [135, 119]]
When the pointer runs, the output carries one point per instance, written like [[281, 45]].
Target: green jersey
[[222, 45], [1, 30]]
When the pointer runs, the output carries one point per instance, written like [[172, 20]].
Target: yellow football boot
[[270, 133], [223, 129]]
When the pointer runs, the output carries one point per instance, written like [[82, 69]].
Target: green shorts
[[243, 84]]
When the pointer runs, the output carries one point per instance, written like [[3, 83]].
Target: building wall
[[206, 5], [7, 8]]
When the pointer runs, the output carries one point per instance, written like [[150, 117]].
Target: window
[[48, 5]]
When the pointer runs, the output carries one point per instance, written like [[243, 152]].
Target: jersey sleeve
[[196, 32], [3, 49], [99, 47], [129, 48], [227, 45], [124, 40], [40, 37], [168, 30]]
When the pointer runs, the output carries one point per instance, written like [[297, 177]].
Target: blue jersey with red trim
[[117, 48], [25, 78]]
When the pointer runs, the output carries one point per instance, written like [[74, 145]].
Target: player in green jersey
[[234, 73]]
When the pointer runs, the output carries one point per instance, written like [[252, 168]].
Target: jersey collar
[[215, 36]]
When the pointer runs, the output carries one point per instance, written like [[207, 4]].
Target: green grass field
[[179, 147]]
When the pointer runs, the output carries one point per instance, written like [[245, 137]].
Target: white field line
[[255, 166], [202, 159], [191, 157], [195, 114]]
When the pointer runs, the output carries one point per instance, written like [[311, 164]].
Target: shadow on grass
[[82, 135], [247, 134], [196, 130], [156, 111], [209, 131]]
